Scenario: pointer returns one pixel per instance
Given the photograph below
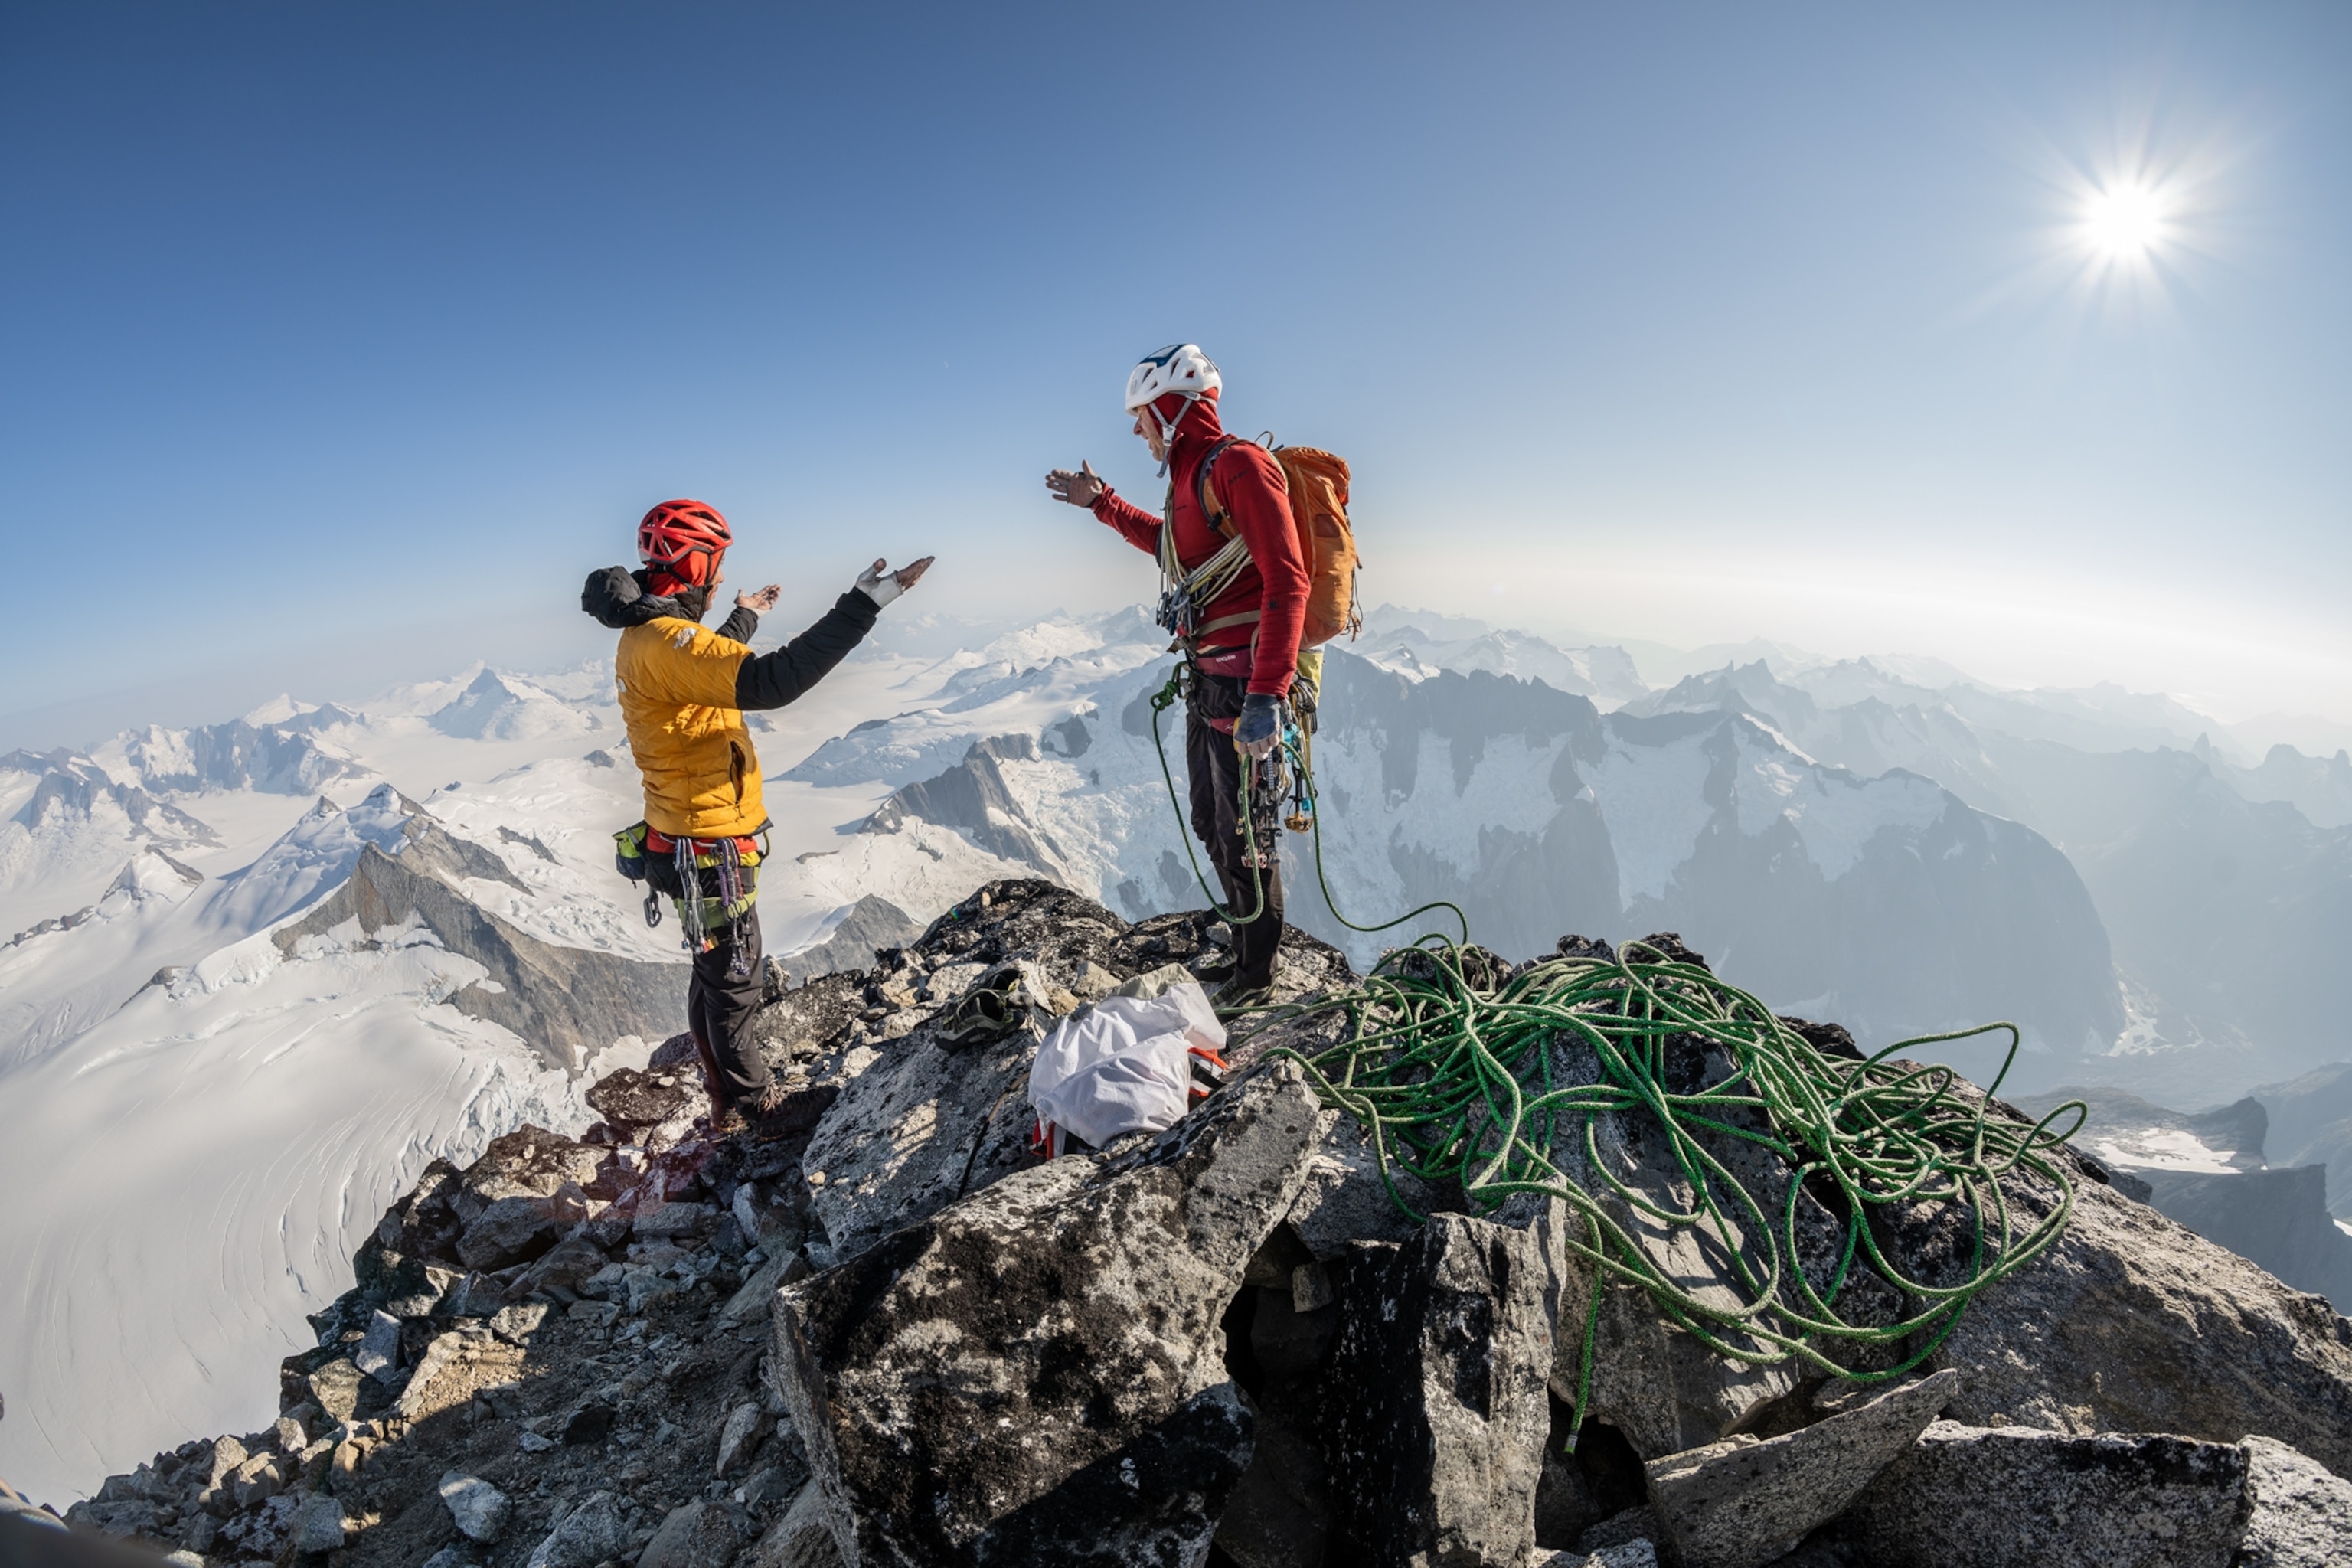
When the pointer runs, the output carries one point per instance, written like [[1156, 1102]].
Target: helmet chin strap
[[1167, 427]]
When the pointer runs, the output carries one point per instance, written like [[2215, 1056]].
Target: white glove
[[882, 585]]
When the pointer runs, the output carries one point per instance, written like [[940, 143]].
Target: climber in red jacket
[[1240, 583]]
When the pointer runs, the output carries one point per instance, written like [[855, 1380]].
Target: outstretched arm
[[773, 680], [1085, 487]]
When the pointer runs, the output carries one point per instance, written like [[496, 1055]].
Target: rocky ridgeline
[[892, 1336]]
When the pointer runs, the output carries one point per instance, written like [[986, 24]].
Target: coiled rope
[[1457, 1076]]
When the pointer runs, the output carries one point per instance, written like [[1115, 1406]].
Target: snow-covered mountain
[[2226, 890], [68, 827], [508, 708], [254, 975], [1421, 645]]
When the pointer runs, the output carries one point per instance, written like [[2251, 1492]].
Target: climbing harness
[[1456, 1066], [731, 868]]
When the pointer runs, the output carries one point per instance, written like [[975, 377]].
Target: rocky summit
[[882, 1332]]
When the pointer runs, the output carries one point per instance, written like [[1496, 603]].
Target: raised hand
[[1082, 488], [881, 585], [761, 602]]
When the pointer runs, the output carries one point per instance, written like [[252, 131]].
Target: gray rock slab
[[801, 1538], [1036, 1374], [422, 1396], [1640, 1523], [517, 1323], [645, 1284], [480, 1510], [336, 1389], [697, 1535], [671, 1221], [318, 1524], [1976, 1497], [258, 1479], [512, 1230], [589, 1534], [1436, 1392], [746, 1425], [652, 1109], [2131, 1323], [773, 1483], [918, 1129], [751, 1300], [1743, 1502], [762, 1212], [227, 1455], [378, 1355], [563, 1270], [1344, 1198], [1630, 1555], [2303, 1514]]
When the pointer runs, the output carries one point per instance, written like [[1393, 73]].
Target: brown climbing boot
[[761, 1112]]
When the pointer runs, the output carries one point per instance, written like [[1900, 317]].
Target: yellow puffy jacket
[[678, 698]]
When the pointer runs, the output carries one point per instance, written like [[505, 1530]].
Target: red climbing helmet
[[684, 540]]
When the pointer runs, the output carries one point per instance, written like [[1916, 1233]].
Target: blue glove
[[1259, 723]]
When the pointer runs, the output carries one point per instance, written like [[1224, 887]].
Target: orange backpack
[[1317, 483]]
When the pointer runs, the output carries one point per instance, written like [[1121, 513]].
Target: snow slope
[[204, 1148]]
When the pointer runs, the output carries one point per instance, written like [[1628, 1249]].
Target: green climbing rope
[[1459, 1071]]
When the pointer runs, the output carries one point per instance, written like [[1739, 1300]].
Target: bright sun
[[2124, 222]]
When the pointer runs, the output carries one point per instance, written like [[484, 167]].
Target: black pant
[[718, 1008], [1214, 769]]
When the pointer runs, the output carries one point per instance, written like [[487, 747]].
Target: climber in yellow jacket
[[684, 691]]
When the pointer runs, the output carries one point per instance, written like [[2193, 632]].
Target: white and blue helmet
[[1179, 368]]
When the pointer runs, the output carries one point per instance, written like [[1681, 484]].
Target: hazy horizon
[[209, 699]]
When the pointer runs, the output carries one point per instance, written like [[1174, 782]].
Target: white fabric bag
[[1124, 1064]]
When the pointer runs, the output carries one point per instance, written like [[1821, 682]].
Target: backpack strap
[[1210, 510]]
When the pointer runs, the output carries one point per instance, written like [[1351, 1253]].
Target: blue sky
[[344, 340]]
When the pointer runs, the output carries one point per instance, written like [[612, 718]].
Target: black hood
[[616, 597]]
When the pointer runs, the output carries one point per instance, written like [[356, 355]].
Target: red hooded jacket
[[1248, 484]]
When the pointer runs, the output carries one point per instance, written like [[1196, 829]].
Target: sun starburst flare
[[2126, 222]]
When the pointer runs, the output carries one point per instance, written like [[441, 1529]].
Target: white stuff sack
[[1124, 1064]]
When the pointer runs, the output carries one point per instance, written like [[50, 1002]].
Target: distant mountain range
[[2225, 890]]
